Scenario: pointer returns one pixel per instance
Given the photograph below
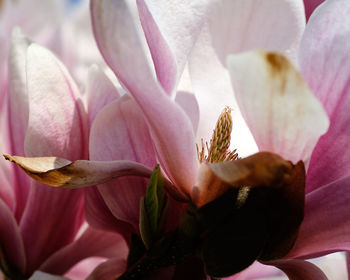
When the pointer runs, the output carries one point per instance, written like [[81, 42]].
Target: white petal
[[281, 112]]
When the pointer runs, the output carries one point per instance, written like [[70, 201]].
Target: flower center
[[218, 148]]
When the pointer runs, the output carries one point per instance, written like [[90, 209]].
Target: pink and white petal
[[170, 128], [326, 225], [109, 270], [11, 240], [92, 243], [120, 133], [178, 23], [56, 126], [275, 25], [18, 97], [325, 65], [300, 269], [310, 6], [163, 58], [256, 271], [212, 87], [100, 92], [189, 104], [57, 120], [281, 112], [18, 111], [99, 216]]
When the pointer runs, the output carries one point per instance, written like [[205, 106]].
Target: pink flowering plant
[[203, 210]]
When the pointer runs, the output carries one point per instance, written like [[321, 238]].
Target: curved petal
[[11, 240], [189, 104], [170, 128], [90, 243], [56, 126], [163, 59], [120, 133], [178, 23], [274, 25], [109, 270], [100, 91], [310, 6], [325, 64], [326, 225], [282, 114], [57, 120], [18, 111], [300, 269]]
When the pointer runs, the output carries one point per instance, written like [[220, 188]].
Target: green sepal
[[153, 209]]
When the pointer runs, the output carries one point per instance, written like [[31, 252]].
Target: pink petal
[[18, 112], [10, 239], [90, 243], [163, 59], [300, 269], [326, 225], [50, 221], [120, 133], [189, 104], [56, 127], [100, 217], [310, 6], [100, 92], [274, 25], [109, 270], [282, 114], [325, 64], [170, 128], [7, 194], [178, 23]]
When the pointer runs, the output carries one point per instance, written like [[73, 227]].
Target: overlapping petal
[[326, 226], [179, 23], [100, 91], [123, 52], [90, 243], [119, 132], [310, 6], [325, 65], [282, 114]]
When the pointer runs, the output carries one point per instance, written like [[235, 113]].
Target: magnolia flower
[[42, 114], [284, 118]]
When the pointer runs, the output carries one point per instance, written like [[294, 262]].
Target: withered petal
[[59, 172], [260, 169]]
